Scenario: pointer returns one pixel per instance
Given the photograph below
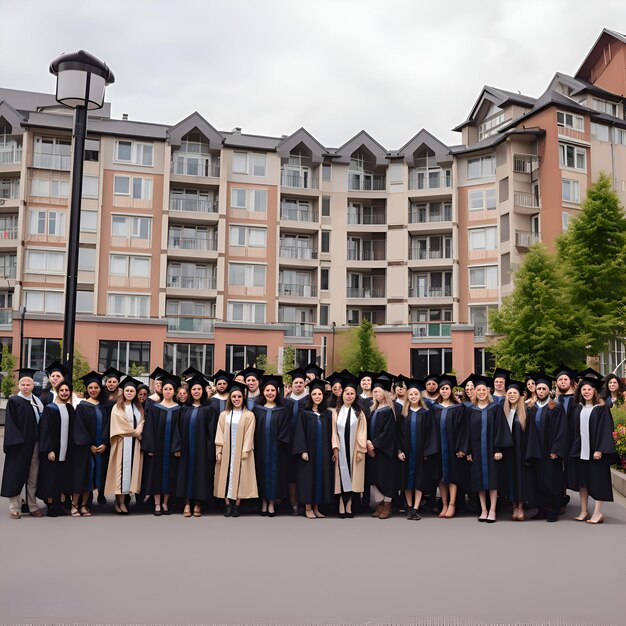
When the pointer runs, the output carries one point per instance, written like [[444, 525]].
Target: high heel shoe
[[187, 510]]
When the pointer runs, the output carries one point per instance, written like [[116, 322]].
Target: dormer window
[[491, 124]]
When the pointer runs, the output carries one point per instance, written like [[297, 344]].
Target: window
[[90, 186], [324, 278], [246, 275], [327, 172], [565, 218], [190, 276], [481, 167], [325, 206], [599, 132], [37, 301], [39, 352], [489, 126], [424, 212], [84, 301], [87, 259], [131, 227], [482, 199], [325, 241], [254, 200], [45, 261], [248, 236], [130, 266], [604, 106], [240, 357], [122, 185], [177, 357], [485, 277], [569, 120], [134, 152], [249, 312], [571, 191], [88, 221], [425, 361], [50, 188], [572, 156], [324, 314], [92, 150], [483, 238], [619, 136], [123, 355], [479, 317], [244, 163], [46, 223], [128, 305], [240, 162], [141, 187], [8, 263]]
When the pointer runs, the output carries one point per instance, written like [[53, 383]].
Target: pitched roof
[[424, 138], [362, 139], [191, 122], [584, 71], [12, 117], [287, 144]]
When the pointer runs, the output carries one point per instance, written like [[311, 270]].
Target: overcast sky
[[335, 67]]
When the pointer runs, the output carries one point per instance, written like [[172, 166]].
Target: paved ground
[[170, 570]]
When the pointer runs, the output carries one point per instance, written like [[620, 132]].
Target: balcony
[[366, 255], [6, 317], [204, 167], [10, 153], [527, 202], [8, 234], [52, 161], [367, 219], [10, 189], [431, 179], [365, 292], [424, 330], [193, 205], [525, 163], [192, 243], [526, 238], [358, 181], [185, 324], [205, 283], [298, 180], [420, 254], [298, 215], [430, 292], [307, 253], [302, 291], [298, 329]]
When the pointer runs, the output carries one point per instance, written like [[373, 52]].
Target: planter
[[619, 481]]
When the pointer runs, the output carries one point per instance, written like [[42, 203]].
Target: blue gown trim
[[445, 469], [192, 451]]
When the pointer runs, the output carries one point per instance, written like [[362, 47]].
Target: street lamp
[[81, 81]]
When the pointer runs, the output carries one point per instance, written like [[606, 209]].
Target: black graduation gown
[[551, 436], [518, 477], [293, 408], [381, 469], [217, 404], [251, 402], [195, 440], [594, 475], [315, 478], [417, 438], [158, 432], [54, 476], [91, 428], [273, 442], [488, 433], [451, 426], [20, 436], [366, 404]]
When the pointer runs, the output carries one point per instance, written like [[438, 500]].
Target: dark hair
[[578, 399], [356, 405], [100, 393], [605, 393], [135, 402], [203, 397], [262, 401], [69, 386], [452, 397], [308, 403], [229, 404]]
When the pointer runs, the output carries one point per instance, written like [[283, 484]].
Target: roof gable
[[195, 121], [12, 117], [302, 136], [425, 139], [606, 38], [362, 140]]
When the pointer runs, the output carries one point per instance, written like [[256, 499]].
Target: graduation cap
[[56, 366], [191, 372], [157, 373], [448, 379], [366, 374], [500, 372], [297, 373], [26, 372], [350, 381], [480, 379], [222, 375], [434, 377], [252, 371], [336, 377], [170, 379], [347, 373], [272, 379], [316, 383], [531, 376], [400, 381], [415, 383], [383, 382], [385, 375], [591, 380], [235, 385], [515, 384], [542, 377], [469, 379], [92, 377], [313, 368], [112, 372], [591, 373], [197, 380], [564, 370], [129, 381]]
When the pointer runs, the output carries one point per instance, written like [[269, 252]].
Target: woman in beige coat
[[235, 474], [349, 441]]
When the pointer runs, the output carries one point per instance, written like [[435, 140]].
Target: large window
[[8, 264], [38, 352], [90, 186], [571, 190], [130, 266], [45, 261], [37, 301], [240, 357], [87, 259], [84, 301], [424, 212], [42, 222], [248, 236], [177, 357], [134, 152], [482, 199], [47, 188], [483, 277], [428, 361], [249, 163], [572, 156], [481, 167], [247, 312], [137, 188], [190, 275], [604, 106], [599, 131], [489, 126], [123, 355], [569, 120], [479, 317], [483, 238], [246, 275], [254, 200], [128, 305], [131, 227]]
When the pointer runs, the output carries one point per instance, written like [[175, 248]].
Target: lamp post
[[81, 81]]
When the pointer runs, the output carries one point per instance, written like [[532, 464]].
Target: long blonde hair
[[407, 404], [388, 400], [519, 407]]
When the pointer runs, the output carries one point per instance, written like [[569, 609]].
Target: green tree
[[264, 364], [592, 254], [7, 365], [136, 370], [535, 324], [361, 351], [289, 361]]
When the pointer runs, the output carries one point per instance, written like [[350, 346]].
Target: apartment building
[[208, 248]]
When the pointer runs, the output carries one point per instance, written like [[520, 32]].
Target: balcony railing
[[419, 254], [9, 233], [195, 166], [525, 163], [365, 292], [300, 181], [525, 238], [430, 329], [9, 189], [10, 154], [193, 205], [192, 282], [191, 243], [8, 272], [6, 316], [303, 291], [365, 255], [299, 329], [366, 182], [298, 215], [429, 180], [297, 252], [430, 292], [185, 324], [52, 161], [367, 219], [417, 217], [526, 200]]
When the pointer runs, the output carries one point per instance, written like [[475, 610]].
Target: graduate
[[349, 443], [547, 418], [235, 473], [469, 391], [431, 389], [399, 390], [500, 376], [417, 444], [143, 391], [489, 436], [336, 389], [382, 448], [112, 391], [126, 457], [273, 443], [613, 391], [252, 377], [157, 383], [530, 396], [90, 457], [21, 446], [313, 371], [221, 380], [182, 394], [56, 375], [56, 431], [451, 426], [365, 397], [592, 451], [312, 447], [194, 442], [161, 424]]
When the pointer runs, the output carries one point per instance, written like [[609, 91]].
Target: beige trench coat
[[120, 428], [360, 445], [244, 472]]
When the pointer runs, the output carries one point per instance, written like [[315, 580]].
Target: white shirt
[[585, 444]]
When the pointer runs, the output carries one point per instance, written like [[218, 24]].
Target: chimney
[[124, 116], [237, 130]]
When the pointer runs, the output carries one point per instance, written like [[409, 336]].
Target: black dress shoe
[[271, 514], [349, 515], [228, 511], [263, 513], [101, 498], [342, 515], [540, 514], [235, 512]]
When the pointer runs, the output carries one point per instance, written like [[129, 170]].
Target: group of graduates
[[377, 440]]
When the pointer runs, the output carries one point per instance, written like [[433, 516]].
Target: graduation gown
[[294, 407], [20, 436], [273, 442], [244, 473], [218, 404], [418, 441], [594, 475], [195, 440], [488, 433], [351, 443], [315, 479], [381, 469], [366, 404], [54, 476], [161, 424], [91, 428], [126, 457], [451, 426], [551, 436]]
